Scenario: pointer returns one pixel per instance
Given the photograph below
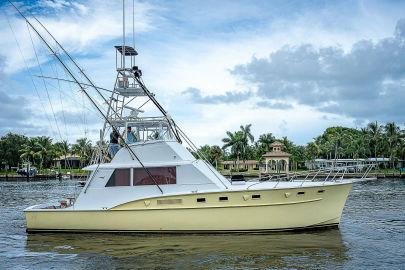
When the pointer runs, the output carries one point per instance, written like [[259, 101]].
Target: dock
[[38, 177]]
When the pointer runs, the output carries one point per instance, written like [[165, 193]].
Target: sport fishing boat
[[153, 183]]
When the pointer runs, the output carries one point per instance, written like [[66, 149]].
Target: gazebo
[[276, 160]]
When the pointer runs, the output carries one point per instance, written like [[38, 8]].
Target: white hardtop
[[150, 153], [192, 177]]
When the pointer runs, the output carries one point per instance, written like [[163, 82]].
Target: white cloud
[[208, 123], [81, 29]]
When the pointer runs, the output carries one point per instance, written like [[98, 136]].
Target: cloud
[[14, 113], [55, 4], [15, 110], [274, 105], [83, 27], [76, 118], [229, 97], [366, 82]]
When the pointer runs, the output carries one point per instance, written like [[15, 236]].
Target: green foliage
[[10, 147], [213, 154], [375, 140], [262, 145], [83, 149], [335, 142], [40, 151]]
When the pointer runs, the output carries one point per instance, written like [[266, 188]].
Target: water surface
[[371, 236]]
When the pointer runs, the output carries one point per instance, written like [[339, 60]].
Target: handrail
[[336, 171]]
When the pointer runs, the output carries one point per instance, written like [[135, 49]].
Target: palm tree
[[392, 135], [262, 145], [364, 142], [374, 131], [62, 148], [84, 149], [236, 142], [246, 137], [28, 150], [44, 151], [312, 150], [266, 139]]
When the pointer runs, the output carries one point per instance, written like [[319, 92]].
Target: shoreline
[[82, 176]]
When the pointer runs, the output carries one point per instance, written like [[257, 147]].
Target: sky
[[292, 68]]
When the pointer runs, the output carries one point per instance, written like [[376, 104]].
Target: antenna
[[133, 25], [123, 32]]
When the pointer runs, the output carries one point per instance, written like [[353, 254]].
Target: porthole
[[201, 200], [300, 192], [223, 199], [256, 196], [321, 191]]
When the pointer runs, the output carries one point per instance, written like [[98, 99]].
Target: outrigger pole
[[73, 61], [85, 92], [137, 77], [66, 80]]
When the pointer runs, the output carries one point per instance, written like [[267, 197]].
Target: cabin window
[[321, 191], [120, 177], [201, 200], [162, 176], [222, 199], [256, 196], [300, 193]]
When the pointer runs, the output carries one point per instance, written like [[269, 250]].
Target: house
[[69, 161], [249, 165]]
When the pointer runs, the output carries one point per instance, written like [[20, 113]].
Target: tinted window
[[120, 177], [162, 176]]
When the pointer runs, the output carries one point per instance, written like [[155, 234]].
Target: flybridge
[[127, 100]]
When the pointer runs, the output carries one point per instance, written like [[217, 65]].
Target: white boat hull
[[276, 209]]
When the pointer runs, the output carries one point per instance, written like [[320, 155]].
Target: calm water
[[371, 236]]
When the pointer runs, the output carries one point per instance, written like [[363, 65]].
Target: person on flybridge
[[129, 136], [113, 147]]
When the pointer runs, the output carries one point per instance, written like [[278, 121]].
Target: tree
[[392, 136], [262, 145], [11, 146], [374, 131], [216, 154], [212, 153], [312, 151], [235, 141], [84, 149], [44, 150], [28, 150], [246, 138], [62, 149]]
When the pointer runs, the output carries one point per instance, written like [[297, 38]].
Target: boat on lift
[[155, 184]]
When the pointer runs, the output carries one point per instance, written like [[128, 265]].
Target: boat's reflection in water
[[313, 249]]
